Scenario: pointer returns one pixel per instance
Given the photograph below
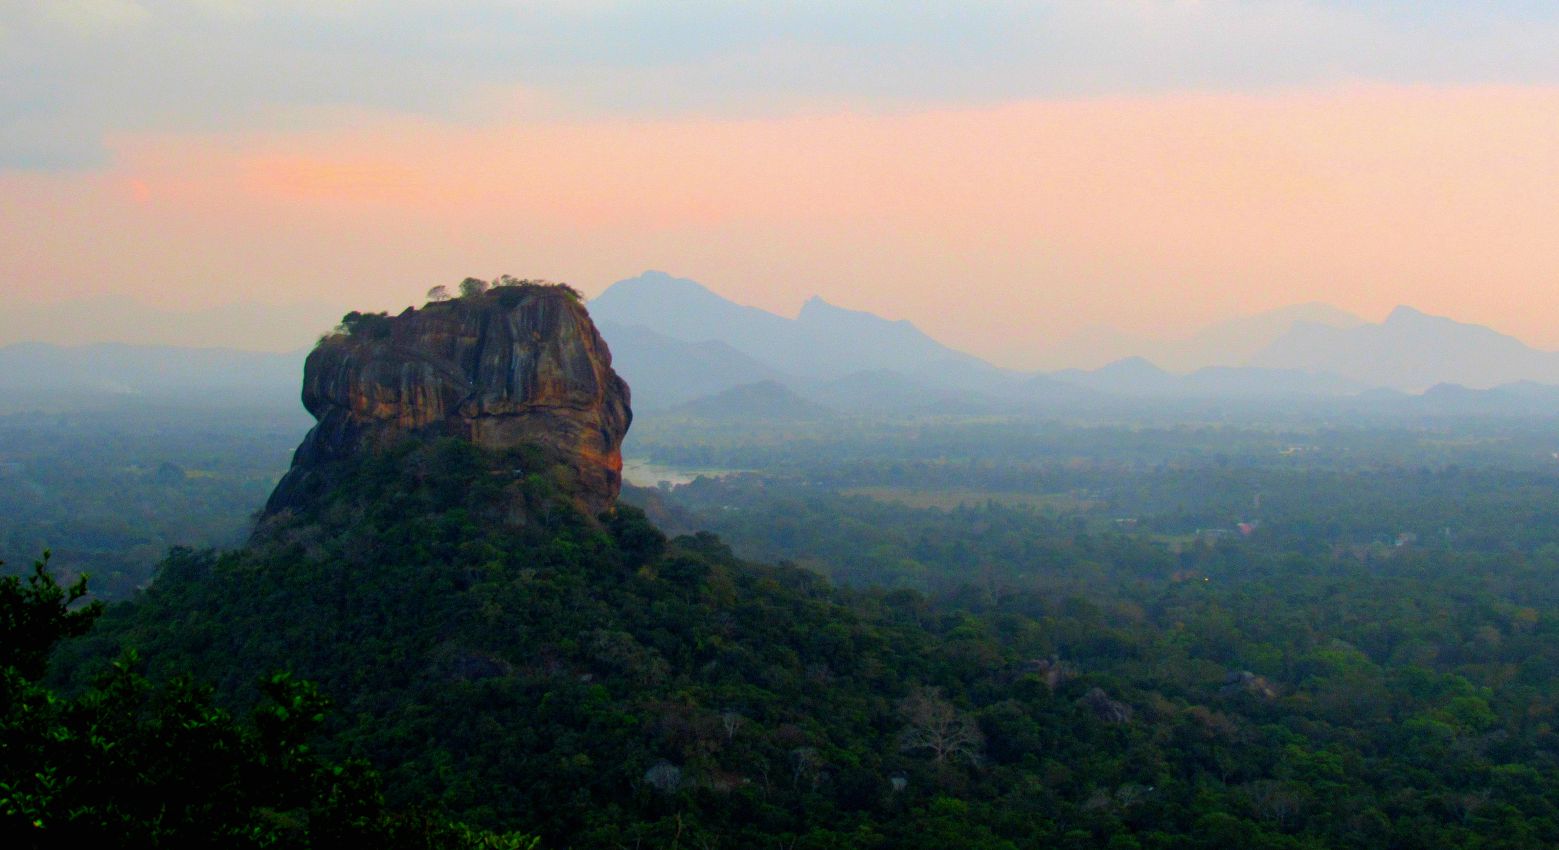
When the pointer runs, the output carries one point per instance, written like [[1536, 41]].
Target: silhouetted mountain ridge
[[1411, 351], [823, 342]]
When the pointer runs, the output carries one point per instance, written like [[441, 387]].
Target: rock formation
[[517, 365], [1104, 708], [1246, 682]]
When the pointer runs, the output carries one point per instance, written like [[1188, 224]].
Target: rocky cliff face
[[515, 366]]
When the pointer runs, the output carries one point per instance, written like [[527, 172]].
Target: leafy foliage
[[36, 614], [366, 325], [506, 288], [128, 763]]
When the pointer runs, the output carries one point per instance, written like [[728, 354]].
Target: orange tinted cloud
[[997, 229], [308, 179]]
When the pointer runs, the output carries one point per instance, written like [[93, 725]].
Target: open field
[[960, 496]]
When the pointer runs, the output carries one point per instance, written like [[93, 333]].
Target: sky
[[1005, 175]]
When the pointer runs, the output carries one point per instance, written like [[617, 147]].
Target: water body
[[642, 473]]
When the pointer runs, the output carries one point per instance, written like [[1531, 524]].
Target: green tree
[[37, 614], [132, 764]]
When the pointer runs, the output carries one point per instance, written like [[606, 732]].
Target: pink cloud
[[997, 229]]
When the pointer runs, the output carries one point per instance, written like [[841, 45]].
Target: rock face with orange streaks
[[515, 366]]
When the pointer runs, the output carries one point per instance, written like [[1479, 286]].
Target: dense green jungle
[[1217, 631]]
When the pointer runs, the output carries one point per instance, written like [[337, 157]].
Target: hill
[[885, 392], [822, 343], [1411, 351], [768, 401], [1232, 342], [665, 372]]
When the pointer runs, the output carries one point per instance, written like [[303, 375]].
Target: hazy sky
[[1003, 174]]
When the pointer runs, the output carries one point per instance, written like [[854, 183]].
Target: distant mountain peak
[[1228, 342], [822, 343], [1404, 317], [653, 279], [1403, 313], [816, 308], [1134, 365], [1412, 350], [1319, 312]]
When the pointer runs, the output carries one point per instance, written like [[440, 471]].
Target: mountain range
[[1232, 342], [675, 341], [1411, 351], [822, 343], [678, 344], [1135, 377]]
